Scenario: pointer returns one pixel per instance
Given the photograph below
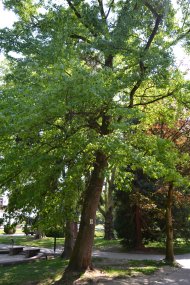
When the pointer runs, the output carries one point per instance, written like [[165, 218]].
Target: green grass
[[30, 241], [43, 272], [132, 271], [99, 244], [46, 272], [180, 246], [131, 268], [102, 244]]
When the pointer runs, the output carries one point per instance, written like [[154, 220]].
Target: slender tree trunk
[[137, 217], [169, 226], [109, 204], [138, 228], [70, 237], [38, 235], [108, 227], [81, 255]]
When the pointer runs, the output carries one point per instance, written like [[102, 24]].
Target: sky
[[7, 18]]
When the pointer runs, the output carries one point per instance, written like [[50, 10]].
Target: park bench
[[15, 250], [30, 252]]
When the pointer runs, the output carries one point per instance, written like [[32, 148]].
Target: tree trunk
[[38, 234], [138, 228], [109, 205], [70, 237], [81, 255], [169, 226], [108, 227], [138, 243]]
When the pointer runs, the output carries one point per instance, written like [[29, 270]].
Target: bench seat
[[15, 250], [30, 252]]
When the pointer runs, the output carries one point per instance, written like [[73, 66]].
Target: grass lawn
[[111, 245], [180, 246], [45, 272], [30, 241], [132, 268]]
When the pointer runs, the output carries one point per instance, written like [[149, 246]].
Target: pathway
[[164, 276], [182, 259]]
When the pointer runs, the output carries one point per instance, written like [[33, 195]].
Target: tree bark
[[138, 228], [108, 227], [70, 237], [169, 226], [138, 243], [109, 205], [81, 255]]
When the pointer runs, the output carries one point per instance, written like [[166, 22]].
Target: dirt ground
[[165, 275]]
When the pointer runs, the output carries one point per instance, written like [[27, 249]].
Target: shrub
[[9, 229]]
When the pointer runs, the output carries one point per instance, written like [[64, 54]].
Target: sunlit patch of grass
[[30, 241], [102, 244], [181, 246], [132, 268], [121, 273], [43, 272]]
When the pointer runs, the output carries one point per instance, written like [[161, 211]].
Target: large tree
[[84, 74]]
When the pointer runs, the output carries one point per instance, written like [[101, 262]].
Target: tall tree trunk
[[70, 237], [81, 255], [108, 227], [169, 226], [109, 204], [138, 243], [138, 228]]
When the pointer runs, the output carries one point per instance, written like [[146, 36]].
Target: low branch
[[155, 100]]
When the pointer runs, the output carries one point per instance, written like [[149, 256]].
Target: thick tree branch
[[108, 12], [101, 9], [74, 9], [79, 16], [149, 6], [141, 63], [155, 100], [154, 31]]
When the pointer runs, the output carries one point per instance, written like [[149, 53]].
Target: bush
[[28, 230], [9, 229]]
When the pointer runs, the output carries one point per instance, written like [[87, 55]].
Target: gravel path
[[165, 276], [183, 259]]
